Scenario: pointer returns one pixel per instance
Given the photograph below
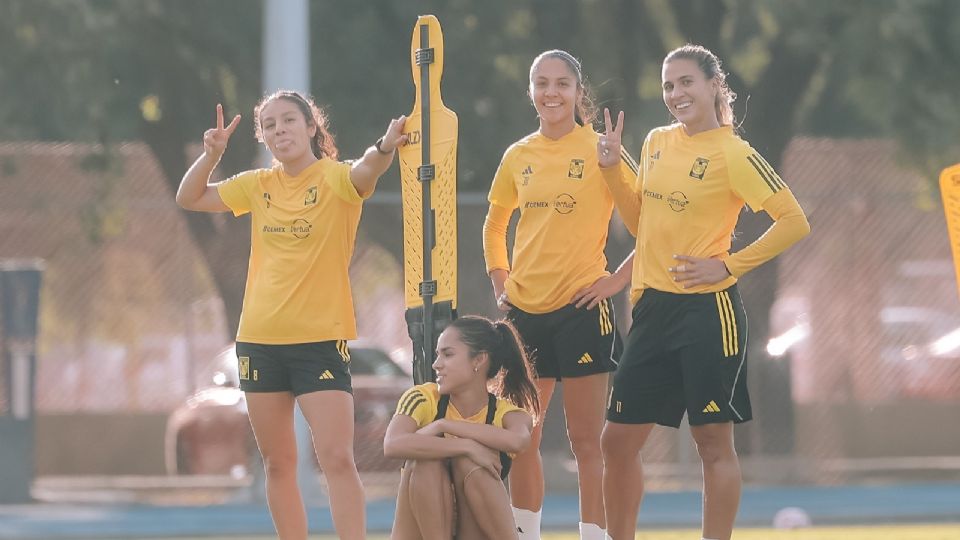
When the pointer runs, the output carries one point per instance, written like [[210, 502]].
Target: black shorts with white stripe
[[685, 353]]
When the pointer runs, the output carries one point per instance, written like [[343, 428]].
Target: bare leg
[[330, 415], [721, 478], [425, 504], [404, 523], [526, 473], [483, 506], [271, 415], [584, 403], [623, 476]]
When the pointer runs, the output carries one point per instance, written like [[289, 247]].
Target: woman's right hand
[[498, 278], [485, 457], [215, 140], [608, 147]]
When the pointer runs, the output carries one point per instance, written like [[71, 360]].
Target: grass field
[[886, 532]]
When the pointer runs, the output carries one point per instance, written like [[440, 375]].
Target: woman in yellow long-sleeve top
[[297, 308], [686, 350], [556, 290]]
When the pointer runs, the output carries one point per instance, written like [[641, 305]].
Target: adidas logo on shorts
[[711, 407], [326, 375], [585, 359]]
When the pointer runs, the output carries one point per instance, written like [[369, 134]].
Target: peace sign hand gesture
[[608, 148], [215, 140]]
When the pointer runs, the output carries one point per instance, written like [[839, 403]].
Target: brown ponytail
[[508, 365]]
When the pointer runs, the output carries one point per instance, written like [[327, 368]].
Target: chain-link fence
[[860, 375]]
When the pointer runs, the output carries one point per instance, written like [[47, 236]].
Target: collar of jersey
[[313, 168], [722, 131], [575, 132]]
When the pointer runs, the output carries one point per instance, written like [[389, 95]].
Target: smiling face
[[285, 130], [689, 95], [455, 364], [555, 92]]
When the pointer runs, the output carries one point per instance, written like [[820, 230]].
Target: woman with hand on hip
[[297, 307], [557, 289], [686, 350]]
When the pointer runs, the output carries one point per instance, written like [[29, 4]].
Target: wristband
[[379, 149]]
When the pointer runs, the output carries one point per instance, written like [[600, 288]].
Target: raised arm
[[195, 191], [625, 196], [377, 159]]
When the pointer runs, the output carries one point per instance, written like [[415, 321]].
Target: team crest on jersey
[[311, 196], [576, 169], [526, 174], [699, 168]]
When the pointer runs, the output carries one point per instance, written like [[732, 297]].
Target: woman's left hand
[[692, 271], [394, 137]]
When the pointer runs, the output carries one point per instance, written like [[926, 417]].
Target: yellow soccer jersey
[[302, 236], [692, 190], [421, 401], [565, 208]]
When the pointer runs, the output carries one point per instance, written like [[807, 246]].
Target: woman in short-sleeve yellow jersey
[[297, 308], [458, 438]]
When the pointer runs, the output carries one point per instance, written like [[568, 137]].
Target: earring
[[475, 369]]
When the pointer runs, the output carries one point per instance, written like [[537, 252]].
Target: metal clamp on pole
[[424, 56], [428, 288], [426, 173]]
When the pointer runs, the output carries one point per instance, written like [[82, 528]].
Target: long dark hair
[[585, 111], [508, 365], [323, 143]]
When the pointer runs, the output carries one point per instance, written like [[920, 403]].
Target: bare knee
[[335, 459], [585, 444], [280, 464], [427, 473], [465, 469], [714, 444], [613, 448]]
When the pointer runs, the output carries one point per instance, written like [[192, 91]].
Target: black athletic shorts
[[684, 353], [571, 341], [298, 368]]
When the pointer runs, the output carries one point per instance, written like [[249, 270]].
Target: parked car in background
[[211, 434], [919, 347]]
